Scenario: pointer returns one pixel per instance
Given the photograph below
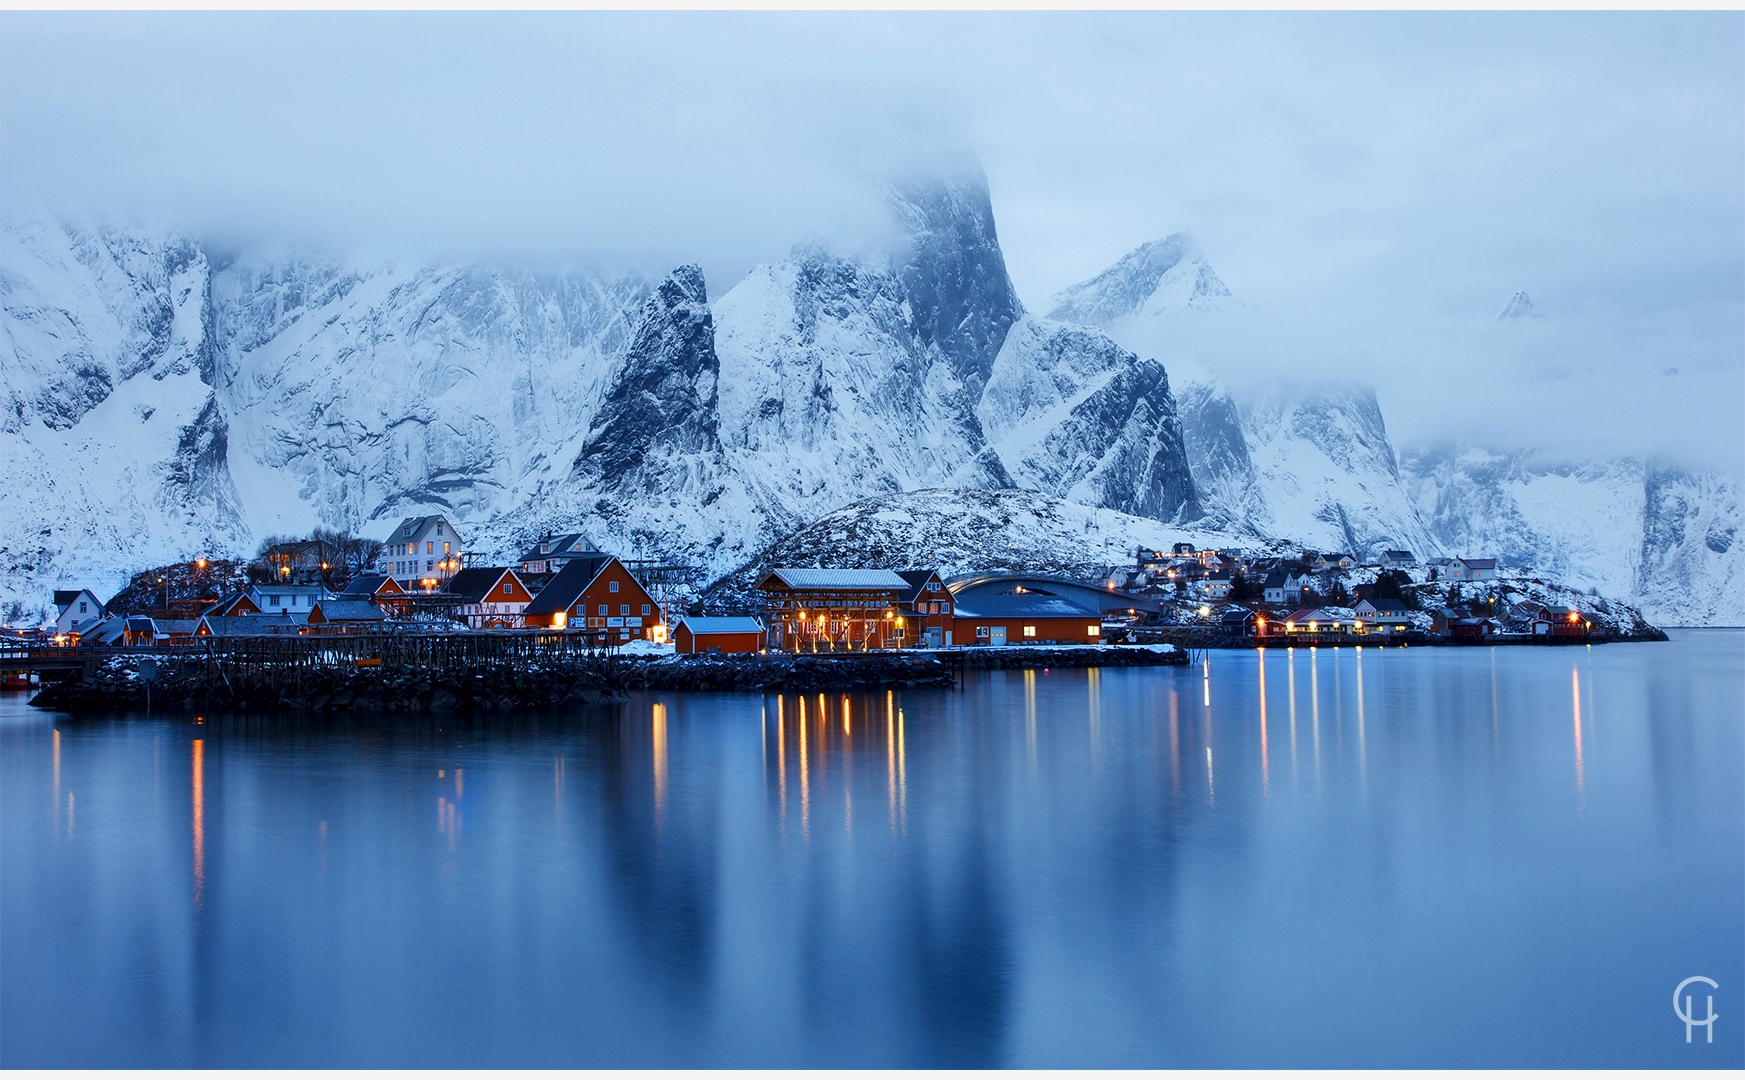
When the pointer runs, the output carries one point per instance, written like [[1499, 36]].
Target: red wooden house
[[598, 596], [491, 597]]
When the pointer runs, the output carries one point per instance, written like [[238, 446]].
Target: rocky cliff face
[[1073, 414]]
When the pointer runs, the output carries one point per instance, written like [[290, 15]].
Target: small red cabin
[[735, 634]]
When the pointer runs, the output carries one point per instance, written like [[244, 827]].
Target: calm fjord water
[[1430, 857]]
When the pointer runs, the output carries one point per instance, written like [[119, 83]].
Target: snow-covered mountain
[[1520, 306], [1160, 279], [162, 401], [1314, 466], [1663, 538], [281, 392]]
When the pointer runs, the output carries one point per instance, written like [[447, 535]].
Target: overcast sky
[[1376, 186]]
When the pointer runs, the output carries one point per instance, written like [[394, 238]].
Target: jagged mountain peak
[[1164, 277], [1520, 306]]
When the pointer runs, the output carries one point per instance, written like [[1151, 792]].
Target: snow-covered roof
[[721, 624], [831, 578]]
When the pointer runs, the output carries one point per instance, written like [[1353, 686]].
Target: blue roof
[[1022, 606]]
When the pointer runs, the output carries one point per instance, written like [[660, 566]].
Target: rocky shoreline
[[193, 684]]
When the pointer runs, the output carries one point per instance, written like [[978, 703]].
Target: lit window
[[981, 631], [1093, 630], [429, 547], [445, 547], [1029, 631]]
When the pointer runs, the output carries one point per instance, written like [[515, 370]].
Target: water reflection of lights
[[199, 796], [660, 778], [447, 820], [825, 729], [1575, 698], [1265, 765]]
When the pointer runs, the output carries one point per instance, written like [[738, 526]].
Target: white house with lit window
[[286, 599], [421, 554]]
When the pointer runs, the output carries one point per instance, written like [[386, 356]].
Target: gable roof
[[412, 528], [346, 611], [228, 605], [371, 584], [475, 583], [66, 598], [917, 580], [252, 625], [564, 589], [721, 624], [804, 577], [567, 546], [1480, 564], [1303, 615]]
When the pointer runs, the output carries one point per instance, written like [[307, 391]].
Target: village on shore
[[421, 580]]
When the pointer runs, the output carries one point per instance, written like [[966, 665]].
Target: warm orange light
[[1573, 617], [559, 619]]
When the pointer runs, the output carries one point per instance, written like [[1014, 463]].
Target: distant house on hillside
[[1216, 585], [1282, 587], [1393, 559], [421, 553], [1472, 569]]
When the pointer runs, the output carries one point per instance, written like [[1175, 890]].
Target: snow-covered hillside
[[1662, 538], [959, 530]]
